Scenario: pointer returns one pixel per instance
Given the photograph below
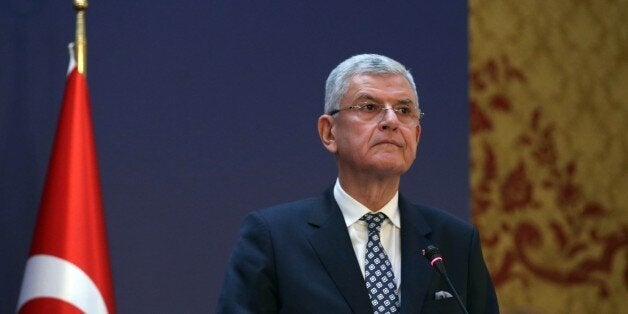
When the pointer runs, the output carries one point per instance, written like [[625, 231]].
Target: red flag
[[68, 266]]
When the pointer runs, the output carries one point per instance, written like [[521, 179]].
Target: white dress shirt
[[352, 211]]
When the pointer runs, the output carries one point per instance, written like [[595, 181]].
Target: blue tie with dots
[[378, 271]]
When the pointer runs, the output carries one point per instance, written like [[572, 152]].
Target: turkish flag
[[68, 266]]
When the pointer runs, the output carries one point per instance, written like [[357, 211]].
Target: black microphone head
[[435, 259], [431, 252]]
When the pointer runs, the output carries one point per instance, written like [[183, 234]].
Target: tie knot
[[374, 221]]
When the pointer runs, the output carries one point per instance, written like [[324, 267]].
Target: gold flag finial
[[81, 38]]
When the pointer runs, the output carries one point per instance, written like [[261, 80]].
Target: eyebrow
[[405, 101], [365, 96]]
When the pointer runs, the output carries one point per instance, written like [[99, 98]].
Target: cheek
[[411, 145], [350, 146], [353, 139]]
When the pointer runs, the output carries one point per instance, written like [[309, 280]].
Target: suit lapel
[[333, 246], [416, 274]]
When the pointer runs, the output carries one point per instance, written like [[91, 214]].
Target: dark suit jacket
[[298, 258]]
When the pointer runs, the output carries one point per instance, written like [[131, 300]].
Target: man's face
[[383, 146]]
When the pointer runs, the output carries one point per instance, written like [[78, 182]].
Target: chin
[[390, 169]]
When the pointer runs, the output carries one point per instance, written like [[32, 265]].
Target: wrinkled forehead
[[369, 85]]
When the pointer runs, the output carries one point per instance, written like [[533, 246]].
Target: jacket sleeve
[[481, 296], [250, 281]]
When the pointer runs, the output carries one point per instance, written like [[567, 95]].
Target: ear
[[326, 132], [418, 133]]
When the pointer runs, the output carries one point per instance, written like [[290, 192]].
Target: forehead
[[386, 87]]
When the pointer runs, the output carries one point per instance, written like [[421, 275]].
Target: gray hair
[[338, 80]]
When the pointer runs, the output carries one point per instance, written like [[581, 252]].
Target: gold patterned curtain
[[549, 152]]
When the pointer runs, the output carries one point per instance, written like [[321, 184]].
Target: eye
[[404, 110], [369, 107]]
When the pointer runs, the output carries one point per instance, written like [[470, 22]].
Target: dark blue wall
[[203, 111]]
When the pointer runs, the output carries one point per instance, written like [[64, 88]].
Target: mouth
[[390, 142]]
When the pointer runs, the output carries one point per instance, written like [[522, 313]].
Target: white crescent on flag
[[53, 277]]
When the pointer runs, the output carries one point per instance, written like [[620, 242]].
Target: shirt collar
[[352, 210]]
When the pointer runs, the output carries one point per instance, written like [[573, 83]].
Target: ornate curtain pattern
[[549, 152]]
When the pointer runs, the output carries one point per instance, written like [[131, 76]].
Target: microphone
[[436, 261]]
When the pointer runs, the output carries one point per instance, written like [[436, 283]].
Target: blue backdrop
[[203, 111]]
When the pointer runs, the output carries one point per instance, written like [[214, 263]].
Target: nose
[[389, 120]]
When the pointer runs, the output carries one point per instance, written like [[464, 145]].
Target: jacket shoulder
[[439, 218], [437, 222], [291, 211]]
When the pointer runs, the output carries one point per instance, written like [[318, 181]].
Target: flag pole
[[68, 267], [81, 39]]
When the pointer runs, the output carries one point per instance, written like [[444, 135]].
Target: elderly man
[[357, 248]]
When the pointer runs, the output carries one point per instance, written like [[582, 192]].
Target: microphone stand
[[436, 261]]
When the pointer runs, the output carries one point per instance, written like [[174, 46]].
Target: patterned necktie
[[378, 271]]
